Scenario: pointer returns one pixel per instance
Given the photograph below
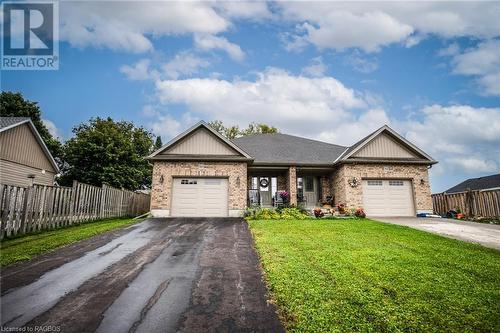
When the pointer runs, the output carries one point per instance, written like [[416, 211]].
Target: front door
[[265, 191], [311, 187]]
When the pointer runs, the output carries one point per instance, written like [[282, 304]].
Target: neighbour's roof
[[8, 122], [288, 149], [481, 183]]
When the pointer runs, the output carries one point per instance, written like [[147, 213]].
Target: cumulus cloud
[[210, 42], [275, 96], [316, 68], [138, 71], [372, 25], [52, 128], [461, 137], [128, 25], [182, 64], [482, 62]]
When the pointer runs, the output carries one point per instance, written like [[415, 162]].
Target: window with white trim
[[374, 183], [396, 183]]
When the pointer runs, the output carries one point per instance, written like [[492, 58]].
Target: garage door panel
[[384, 197], [200, 197]]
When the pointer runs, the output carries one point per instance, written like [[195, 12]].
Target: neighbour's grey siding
[[19, 145], [201, 142], [12, 173], [384, 146]]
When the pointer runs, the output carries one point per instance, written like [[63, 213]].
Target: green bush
[[287, 213]]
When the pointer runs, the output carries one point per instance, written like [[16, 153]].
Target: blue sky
[[329, 71]]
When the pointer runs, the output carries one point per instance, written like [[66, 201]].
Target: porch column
[[291, 182]]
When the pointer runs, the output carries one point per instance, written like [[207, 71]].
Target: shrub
[[360, 213], [318, 213], [288, 213]]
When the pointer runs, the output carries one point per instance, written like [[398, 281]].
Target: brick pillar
[[291, 182]]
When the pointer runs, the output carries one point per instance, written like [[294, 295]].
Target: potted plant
[[341, 208], [318, 213]]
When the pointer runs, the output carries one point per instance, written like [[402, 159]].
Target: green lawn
[[26, 247], [362, 275]]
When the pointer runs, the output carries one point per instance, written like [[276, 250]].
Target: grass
[[362, 275], [26, 247]]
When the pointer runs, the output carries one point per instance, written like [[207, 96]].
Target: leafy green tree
[[108, 151], [232, 132], [14, 105], [158, 143]]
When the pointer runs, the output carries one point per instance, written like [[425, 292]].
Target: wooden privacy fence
[[484, 203], [39, 207]]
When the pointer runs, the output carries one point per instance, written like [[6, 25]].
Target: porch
[[307, 187]]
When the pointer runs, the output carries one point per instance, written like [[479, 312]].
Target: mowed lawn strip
[[29, 246], [362, 275]]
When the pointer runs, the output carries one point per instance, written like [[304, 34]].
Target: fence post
[[24, 215], [103, 197]]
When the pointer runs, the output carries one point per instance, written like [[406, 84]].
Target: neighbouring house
[[477, 184], [202, 173], [24, 158]]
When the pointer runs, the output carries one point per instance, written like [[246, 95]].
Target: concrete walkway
[[485, 234]]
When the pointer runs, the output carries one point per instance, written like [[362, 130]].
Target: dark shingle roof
[[480, 183], [288, 149], [9, 121]]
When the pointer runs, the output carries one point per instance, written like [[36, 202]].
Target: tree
[[14, 105], [232, 132], [105, 151], [158, 143]]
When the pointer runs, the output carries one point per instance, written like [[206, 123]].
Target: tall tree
[[158, 143], [234, 131], [108, 151], [14, 105]]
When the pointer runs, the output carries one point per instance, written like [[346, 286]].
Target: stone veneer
[[353, 196], [236, 172]]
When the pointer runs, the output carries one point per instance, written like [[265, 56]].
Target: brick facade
[[353, 196], [291, 184], [236, 172]]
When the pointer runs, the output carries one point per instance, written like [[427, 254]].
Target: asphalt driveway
[[161, 275], [485, 234]]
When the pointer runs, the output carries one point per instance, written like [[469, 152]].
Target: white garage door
[[200, 197], [383, 197]]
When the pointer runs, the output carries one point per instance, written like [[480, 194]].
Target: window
[[309, 184], [374, 183], [188, 182], [396, 183]]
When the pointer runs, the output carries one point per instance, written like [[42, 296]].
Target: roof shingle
[[288, 149], [481, 183]]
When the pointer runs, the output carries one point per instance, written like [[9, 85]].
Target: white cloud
[[210, 42], [483, 62], [474, 165], [316, 68], [372, 25], [137, 72], [184, 64], [53, 130], [128, 26], [461, 137], [360, 63]]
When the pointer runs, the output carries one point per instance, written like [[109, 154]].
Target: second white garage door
[[200, 197], [384, 197]]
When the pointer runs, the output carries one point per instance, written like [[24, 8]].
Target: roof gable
[[22, 131], [384, 146], [387, 145], [200, 141]]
